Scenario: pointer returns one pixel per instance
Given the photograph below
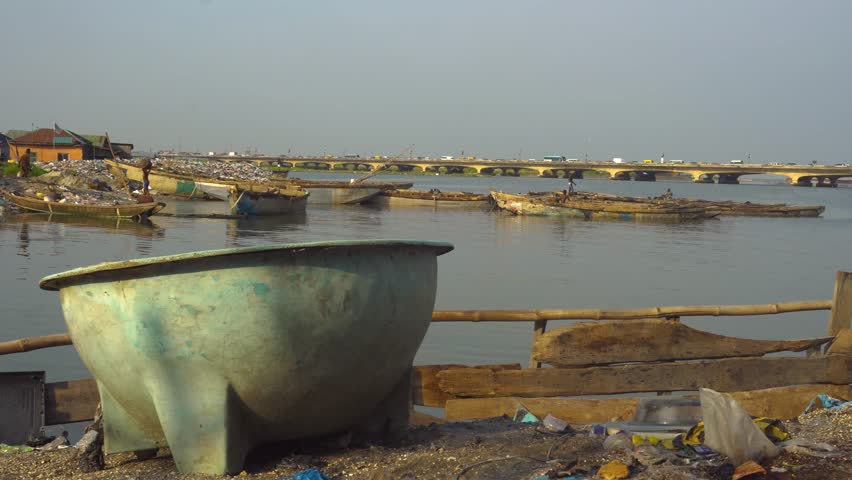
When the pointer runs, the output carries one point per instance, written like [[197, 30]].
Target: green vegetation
[[11, 170]]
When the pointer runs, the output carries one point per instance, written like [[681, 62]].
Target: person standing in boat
[[566, 195], [146, 167]]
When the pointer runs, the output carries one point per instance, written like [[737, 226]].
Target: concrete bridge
[[800, 175]]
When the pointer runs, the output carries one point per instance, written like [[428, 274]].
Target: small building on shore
[[4, 148], [58, 144]]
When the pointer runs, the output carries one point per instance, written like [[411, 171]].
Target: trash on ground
[[748, 469], [554, 424], [310, 474], [825, 401], [522, 415], [614, 470], [806, 447], [729, 430]]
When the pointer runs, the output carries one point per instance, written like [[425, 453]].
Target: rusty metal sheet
[[21, 406]]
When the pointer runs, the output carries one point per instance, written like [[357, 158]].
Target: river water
[[500, 261]]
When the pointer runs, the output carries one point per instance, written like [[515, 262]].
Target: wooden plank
[[842, 344], [628, 314], [572, 410], [727, 375], [650, 340], [424, 388], [539, 328], [780, 402], [841, 306], [420, 419], [71, 401]]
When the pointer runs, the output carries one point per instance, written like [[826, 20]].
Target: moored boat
[[725, 208], [431, 198], [257, 199], [118, 210], [330, 192], [551, 205]]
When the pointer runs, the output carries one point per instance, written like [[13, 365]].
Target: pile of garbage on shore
[[214, 169], [726, 444]]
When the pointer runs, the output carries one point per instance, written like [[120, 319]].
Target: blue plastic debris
[[598, 429], [522, 415], [827, 402], [310, 474], [702, 449]]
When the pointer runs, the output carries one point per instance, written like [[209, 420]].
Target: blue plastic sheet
[[311, 474], [827, 402]]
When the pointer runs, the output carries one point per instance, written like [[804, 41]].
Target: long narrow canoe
[[412, 198], [596, 210], [257, 201], [725, 208], [128, 210], [322, 192], [325, 192]]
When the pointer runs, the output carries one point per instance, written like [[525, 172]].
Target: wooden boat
[[596, 210], [127, 210], [432, 198], [257, 200], [331, 192], [726, 208], [321, 192]]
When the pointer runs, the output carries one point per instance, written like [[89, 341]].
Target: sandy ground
[[487, 449]]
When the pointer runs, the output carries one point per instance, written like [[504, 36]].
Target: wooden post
[[538, 330], [841, 305]]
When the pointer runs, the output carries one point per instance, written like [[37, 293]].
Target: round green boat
[[215, 352]]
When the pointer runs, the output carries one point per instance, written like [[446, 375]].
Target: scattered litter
[[214, 169], [729, 430], [554, 424], [813, 449], [15, 448], [522, 415], [826, 401], [619, 441], [748, 469], [614, 470], [310, 474]]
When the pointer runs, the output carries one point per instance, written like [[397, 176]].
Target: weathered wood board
[[780, 402], [841, 306], [842, 344], [726, 375], [424, 388], [649, 340], [71, 401]]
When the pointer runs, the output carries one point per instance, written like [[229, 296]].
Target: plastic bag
[[729, 430]]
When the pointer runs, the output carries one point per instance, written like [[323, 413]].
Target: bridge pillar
[[802, 182], [577, 173], [701, 177], [646, 177], [623, 176], [729, 179], [827, 182]]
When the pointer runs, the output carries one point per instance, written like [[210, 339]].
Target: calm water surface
[[500, 262]]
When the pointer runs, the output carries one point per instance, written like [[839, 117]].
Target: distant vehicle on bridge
[[554, 158], [352, 155], [676, 161], [617, 160], [446, 157], [647, 160], [737, 162]]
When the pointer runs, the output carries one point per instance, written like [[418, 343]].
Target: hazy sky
[[699, 80]]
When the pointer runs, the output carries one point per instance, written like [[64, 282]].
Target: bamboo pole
[[34, 343], [539, 316], [627, 314]]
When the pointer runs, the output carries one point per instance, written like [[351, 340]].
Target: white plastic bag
[[729, 430]]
